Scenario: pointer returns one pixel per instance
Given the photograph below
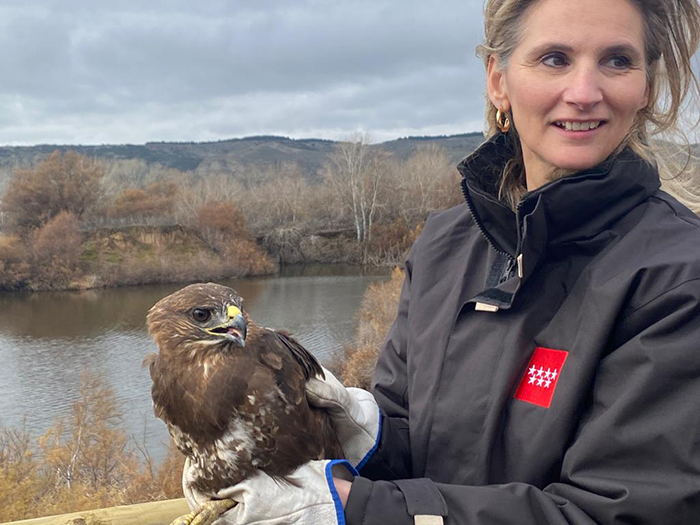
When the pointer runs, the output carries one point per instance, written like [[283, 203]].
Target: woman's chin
[[554, 160], [578, 162]]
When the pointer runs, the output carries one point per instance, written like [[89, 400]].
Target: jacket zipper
[[486, 236], [513, 260], [519, 246]]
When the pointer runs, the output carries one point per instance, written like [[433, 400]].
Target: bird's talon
[[207, 514], [184, 520]]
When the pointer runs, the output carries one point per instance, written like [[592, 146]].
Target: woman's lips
[[577, 128], [578, 125]]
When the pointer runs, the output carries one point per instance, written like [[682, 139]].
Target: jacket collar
[[576, 206]]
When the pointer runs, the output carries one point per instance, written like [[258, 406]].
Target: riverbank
[[135, 255], [125, 256]]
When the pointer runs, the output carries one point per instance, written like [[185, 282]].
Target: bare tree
[[358, 176], [427, 181], [89, 448], [218, 187], [280, 202], [121, 174]]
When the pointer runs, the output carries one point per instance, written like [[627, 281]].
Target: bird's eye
[[201, 315]]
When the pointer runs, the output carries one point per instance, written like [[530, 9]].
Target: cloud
[[117, 72]]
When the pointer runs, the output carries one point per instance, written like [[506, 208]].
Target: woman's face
[[574, 83]]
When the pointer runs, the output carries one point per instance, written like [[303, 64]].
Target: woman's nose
[[584, 88]]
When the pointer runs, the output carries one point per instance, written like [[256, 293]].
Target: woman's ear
[[496, 85]]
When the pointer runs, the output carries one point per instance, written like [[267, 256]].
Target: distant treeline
[[74, 222]]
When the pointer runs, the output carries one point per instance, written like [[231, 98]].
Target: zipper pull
[[484, 307], [521, 271]]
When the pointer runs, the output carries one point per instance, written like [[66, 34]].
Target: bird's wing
[[300, 432], [308, 362], [288, 362]]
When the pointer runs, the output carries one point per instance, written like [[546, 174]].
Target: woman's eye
[[201, 315], [619, 62], [555, 60]]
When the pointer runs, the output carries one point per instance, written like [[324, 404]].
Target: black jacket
[[578, 400]]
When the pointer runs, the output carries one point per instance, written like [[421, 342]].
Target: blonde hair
[[672, 36]]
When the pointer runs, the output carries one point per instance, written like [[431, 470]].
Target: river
[[48, 338]]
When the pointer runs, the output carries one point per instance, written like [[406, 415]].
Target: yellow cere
[[233, 311]]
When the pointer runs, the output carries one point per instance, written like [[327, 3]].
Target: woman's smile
[[576, 125], [576, 130]]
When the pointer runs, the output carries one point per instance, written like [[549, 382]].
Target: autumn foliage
[[56, 251], [218, 221], [357, 362], [64, 182], [72, 222], [84, 461], [155, 201], [51, 211], [15, 265]]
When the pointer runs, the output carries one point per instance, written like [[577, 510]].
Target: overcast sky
[[104, 71]]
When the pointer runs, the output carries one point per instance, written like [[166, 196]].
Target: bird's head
[[196, 317]]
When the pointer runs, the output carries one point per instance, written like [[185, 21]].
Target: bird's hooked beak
[[235, 329]]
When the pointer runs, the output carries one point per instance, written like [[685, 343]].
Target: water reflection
[[46, 339]]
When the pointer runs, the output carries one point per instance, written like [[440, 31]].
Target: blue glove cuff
[[339, 512]]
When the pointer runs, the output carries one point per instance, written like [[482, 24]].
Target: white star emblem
[[554, 374], [532, 380], [533, 370], [547, 383], [539, 382]]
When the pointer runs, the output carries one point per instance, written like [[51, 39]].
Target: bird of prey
[[231, 392]]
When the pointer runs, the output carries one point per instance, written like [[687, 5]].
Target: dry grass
[[84, 462], [356, 364]]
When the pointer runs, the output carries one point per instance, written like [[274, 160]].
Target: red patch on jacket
[[541, 377]]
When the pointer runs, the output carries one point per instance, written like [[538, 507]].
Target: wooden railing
[[154, 513]]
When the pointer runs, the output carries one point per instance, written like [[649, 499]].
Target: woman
[[544, 366]]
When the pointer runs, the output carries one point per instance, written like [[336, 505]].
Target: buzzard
[[231, 392]]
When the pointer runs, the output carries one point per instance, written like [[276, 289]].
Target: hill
[[225, 155]]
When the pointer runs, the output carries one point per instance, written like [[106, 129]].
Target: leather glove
[[354, 413], [305, 497]]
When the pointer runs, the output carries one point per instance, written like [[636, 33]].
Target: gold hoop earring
[[502, 121]]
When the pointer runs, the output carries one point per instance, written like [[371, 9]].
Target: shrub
[[219, 222], [223, 227], [20, 484], [390, 242], [85, 462], [151, 482], [57, 249], [377, 312], [67, 182], [155, 201], [239, 259], [58, 240], [15, 268]]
